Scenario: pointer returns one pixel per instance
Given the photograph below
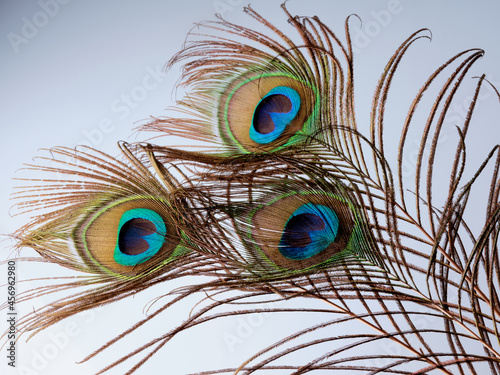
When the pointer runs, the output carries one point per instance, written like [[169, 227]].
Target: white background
[[70, 71]]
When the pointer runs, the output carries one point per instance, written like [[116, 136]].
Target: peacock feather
[[288, 208]]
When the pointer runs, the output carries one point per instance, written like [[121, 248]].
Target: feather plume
[[290, 200]]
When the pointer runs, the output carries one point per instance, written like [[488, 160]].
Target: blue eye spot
[[273, 113], [308, 231], [141, 234]]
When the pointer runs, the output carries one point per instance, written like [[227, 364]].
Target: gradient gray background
[[58, 87]]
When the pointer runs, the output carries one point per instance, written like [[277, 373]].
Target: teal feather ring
[[303, 230]]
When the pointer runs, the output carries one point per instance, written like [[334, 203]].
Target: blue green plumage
[[141, 234], [308, 231], [273, 113]]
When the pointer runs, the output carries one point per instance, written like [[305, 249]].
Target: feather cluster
[[288, 200]]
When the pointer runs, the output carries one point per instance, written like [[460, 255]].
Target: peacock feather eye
[[141, 234], [302, 229], [308, 231], [129, 236], [274, 112], [266, 112]]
